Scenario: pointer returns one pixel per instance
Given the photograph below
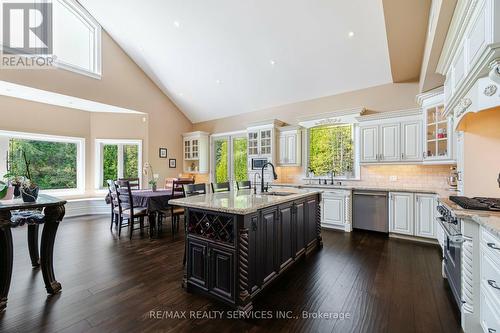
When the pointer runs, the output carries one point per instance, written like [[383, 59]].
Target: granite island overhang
[[238, 242]]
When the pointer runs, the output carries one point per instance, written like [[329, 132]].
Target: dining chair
[[244, 185], [220, 187], [194, 189], [134, 183], [175, 212], [126, 209], [113, 200]]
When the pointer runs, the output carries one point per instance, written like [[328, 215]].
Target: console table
[[53, 213]]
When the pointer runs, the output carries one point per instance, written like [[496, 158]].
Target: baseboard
[[415, 239], [342, 227], [90, 206]]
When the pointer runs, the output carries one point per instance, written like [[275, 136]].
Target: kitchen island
[[238, 242]]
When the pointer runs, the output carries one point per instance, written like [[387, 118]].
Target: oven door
[[453, 260]]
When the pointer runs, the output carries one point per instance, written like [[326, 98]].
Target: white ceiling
[[213, 57]]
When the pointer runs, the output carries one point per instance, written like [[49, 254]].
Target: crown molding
[[420, 98], [391, 114]]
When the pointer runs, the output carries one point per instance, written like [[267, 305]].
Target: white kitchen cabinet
[[260, 142], [290, 146], [411, 141], [401, 213], [369, 144], [489, 281], [425, 212], [391, 137], [390, 142], [336, 210], [196, 152]]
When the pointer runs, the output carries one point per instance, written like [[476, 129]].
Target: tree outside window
[[331, 149]]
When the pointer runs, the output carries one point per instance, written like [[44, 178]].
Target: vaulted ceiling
[[221, 58]]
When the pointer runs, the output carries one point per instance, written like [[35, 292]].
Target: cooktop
[[477, 203]]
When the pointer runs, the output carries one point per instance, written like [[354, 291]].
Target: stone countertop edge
[[489, 220], [277, 200], [368, 188]]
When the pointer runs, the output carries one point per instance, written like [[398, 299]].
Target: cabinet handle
[[492, 330], [493, 246], [493, 284], [402, 156]]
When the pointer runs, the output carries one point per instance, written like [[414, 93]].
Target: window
[[331, 149], [56, 163], [77, 38], [117, 159], [229, 158]]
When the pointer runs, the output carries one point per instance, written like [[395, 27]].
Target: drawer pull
[[494, 246], [492, 330], [493, 284]]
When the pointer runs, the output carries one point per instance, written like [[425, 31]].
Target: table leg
[[33, 245], [152, 223], [6, 258], [53, 215]]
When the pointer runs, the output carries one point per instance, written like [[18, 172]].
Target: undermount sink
[[279, 194]]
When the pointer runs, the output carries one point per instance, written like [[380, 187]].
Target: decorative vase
[[30, 194], [153, 187], [17, 190]]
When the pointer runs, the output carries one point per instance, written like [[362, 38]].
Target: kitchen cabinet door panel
[[221, 271], [390, 142], [425, 225], [285, 234], [333, 210], [198, 271], [411, 141], [369, 144], [310, 219], [401, 214], [299, 227], [269, 244]]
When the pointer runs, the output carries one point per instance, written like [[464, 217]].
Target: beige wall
[[123, 84], [482, 153], [386, 97]]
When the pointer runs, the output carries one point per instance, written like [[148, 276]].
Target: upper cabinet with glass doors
[[196, 152], [261, 138], [438, 129]]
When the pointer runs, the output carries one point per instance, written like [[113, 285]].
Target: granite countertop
[[487, 219], [240, 202], [439, 191]]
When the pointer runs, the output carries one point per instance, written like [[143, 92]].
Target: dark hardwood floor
[[113, 285]]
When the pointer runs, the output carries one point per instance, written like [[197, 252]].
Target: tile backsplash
[[414, 176]]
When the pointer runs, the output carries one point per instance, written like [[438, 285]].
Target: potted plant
[[152, 177], [29, 189]]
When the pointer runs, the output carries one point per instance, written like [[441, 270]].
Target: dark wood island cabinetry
[[238, 243]]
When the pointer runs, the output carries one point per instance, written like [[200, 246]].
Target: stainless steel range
[[452, 259]]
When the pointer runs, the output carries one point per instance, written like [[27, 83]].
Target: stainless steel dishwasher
[[370, 211]]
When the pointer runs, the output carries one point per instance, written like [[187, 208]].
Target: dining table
[[155, 202]]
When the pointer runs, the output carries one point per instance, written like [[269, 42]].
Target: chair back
[[112, 194], [194, 189], [244, 185], [134, 183], [220, 187], [178, 186], [124, 196]]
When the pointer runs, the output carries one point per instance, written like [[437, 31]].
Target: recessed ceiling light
[[181, 94], [177, 24], [350, 34], [218, 81], [272, 62]]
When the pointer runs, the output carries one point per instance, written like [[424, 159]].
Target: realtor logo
[[27, 34]]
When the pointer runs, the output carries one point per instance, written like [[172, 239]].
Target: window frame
[[80, 158], [229, 136], [81, 13], [356, 142], [98, 169]]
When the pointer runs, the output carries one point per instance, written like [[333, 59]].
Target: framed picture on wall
[[172, 163], [163, 153]]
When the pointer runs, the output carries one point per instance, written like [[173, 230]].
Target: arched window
[[77, 38]]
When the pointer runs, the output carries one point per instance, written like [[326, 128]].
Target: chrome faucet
[[255, 182], [275, 176]]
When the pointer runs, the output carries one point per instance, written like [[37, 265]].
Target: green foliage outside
[[331, 149], [109, 163], [130, 161], [221, 167], [52, 164], [239, 159]]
